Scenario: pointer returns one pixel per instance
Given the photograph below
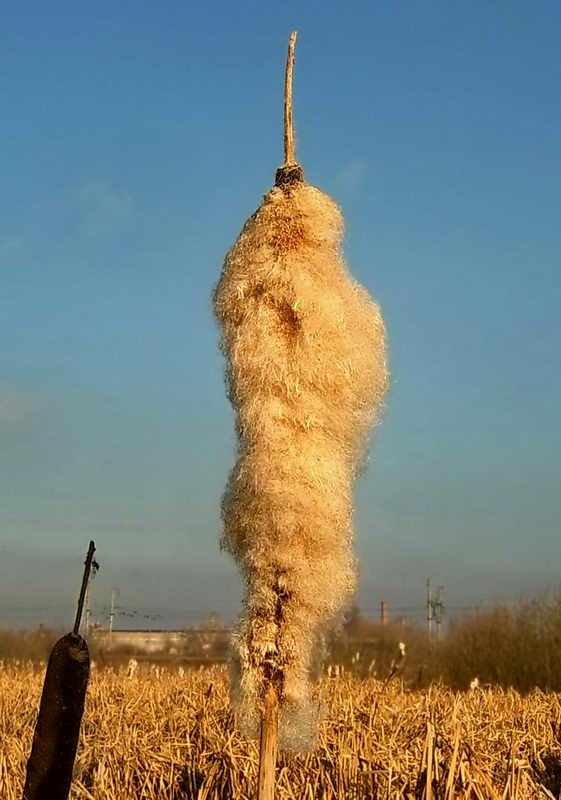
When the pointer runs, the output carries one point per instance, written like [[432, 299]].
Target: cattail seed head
[[306, 375]]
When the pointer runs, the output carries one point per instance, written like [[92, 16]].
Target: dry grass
[[169, 735]]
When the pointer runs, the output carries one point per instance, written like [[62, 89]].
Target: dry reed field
[[171, 734]]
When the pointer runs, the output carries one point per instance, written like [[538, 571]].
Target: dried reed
[[174, 737]]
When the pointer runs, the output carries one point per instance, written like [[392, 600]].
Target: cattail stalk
[[268, 745], [289, 148], [306, 374], [50, 764]]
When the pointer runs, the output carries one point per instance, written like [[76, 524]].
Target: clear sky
[[135, 139]]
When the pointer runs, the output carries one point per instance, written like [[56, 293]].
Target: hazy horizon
[[136, 140]]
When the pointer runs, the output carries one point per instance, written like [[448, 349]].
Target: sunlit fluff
[[306, 374]]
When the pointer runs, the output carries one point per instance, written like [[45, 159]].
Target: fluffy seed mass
[[306, 374]]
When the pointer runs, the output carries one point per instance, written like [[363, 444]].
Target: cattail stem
[[291, 172], [83, 588], [289, 148], [268, 745]]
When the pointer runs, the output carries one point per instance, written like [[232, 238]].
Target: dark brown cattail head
[[49, 769]]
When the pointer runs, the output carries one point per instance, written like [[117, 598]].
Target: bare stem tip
[[291, 172], [289, 148]]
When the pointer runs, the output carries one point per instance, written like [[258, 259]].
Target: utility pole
[[429, 608], [112, 610], [383, 613], [439, 611]]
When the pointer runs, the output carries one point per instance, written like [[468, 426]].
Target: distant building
[[196, 644]]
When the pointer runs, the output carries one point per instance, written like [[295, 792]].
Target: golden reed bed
[[171, 735]]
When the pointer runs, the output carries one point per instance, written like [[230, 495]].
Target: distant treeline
[[516, 647]]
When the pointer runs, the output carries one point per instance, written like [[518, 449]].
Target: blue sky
[[135, 140]]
